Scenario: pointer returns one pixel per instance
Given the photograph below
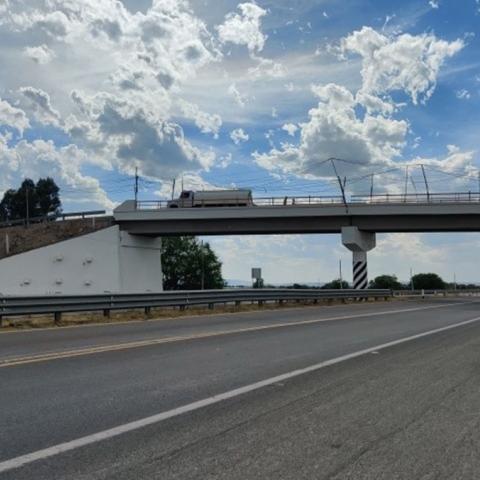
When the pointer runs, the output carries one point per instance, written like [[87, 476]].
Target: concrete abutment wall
[[106, 261]]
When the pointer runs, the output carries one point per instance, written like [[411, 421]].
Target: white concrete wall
[[107, 261]]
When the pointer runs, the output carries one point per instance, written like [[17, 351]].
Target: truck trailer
[[212, 198]]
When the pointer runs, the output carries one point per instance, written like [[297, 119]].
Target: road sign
[[256, 273]]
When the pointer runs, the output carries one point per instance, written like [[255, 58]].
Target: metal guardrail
[[11, 306], [433, 293], [51, 218]]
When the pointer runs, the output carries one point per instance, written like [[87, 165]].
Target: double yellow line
[[44, 357]]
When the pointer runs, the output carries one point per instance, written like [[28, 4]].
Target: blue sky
[[254, 95]]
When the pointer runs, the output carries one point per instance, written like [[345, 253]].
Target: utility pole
[[173, 188], [371, 187], [136, 186], [341, 276], [411, 280], [426, 183], [202, 266], [27, 205], [342, 184], [406, 183]]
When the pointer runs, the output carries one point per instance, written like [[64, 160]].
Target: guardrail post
[[57, 317], [1, 321], [238, 303], [106, 313], [148, 311], [261, 303], [183, 308], [211, 306]]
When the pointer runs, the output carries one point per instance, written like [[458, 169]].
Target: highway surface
[[365, 391]]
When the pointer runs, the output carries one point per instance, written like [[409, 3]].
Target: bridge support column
[[359, 242]]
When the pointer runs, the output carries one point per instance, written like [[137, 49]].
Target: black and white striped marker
[[360, 272]]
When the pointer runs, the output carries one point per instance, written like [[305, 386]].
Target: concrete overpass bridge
[[357, 220]]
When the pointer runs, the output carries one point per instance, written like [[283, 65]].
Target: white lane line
[[129, 427], [93, 349]]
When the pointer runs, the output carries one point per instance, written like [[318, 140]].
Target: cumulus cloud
[[244, 28], [41, 105], [120, 87], [238, 136], [40, 158], [408, 63], [13, 117], [290, 128], [206, 122], [135, 136], [367, 138], [335, 130], [41, 54]]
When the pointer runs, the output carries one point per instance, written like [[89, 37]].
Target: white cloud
[[266, 68], [463, 94], [40, 158], [240, 99], [374, 139], [40, 103], [238, 136], [119, 87], [206, 122], [13, 117], [408, 63], [334, 130], [290, 128], [41, 54], [244, 28], [434, 4]]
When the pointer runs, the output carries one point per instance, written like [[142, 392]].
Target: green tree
[[31, 200], [190, 265], [336, 284], [6, 205], [428, 281], [386, 282], [48, 196]]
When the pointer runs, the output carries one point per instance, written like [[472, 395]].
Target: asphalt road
[[407, 411]]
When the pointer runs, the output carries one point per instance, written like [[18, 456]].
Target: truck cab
[[184, 200]]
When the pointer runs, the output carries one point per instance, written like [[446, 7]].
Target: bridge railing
[[56, 304], [256, 202], [451, 197], [385, 198], [51, 218]]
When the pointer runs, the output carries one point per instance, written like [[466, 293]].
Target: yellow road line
[[44, 357]]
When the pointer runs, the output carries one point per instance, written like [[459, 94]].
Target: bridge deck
[[453, 216]]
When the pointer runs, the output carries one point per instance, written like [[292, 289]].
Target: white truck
[[213, 198]]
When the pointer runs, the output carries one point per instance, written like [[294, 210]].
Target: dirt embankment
[[20, 239]]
